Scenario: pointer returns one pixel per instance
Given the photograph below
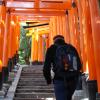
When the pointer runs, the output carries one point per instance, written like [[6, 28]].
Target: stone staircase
[[32, 85], [29, 84]]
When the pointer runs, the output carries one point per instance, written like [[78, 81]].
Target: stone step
[[29, 99], [28, 73], [78, 95], [35, 90], [34, 95], [32, 83], [35, 81], [33, 70], [33, 73], [31, 77], [34, 87]]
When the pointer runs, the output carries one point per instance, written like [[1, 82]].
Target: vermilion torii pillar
[[0, 75], [81, 37], [1, 40], [59, 25], [16, 37], [34, 49], [95, 19], [40, 49], [86, 29], [4, 42], [13, 43], [74, 28]]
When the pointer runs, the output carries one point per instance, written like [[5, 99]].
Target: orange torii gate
[[8, 39], [77, 20]]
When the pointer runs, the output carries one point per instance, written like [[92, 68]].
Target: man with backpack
[[64, 60]]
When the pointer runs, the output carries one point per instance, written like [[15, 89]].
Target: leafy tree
[[25, 47]]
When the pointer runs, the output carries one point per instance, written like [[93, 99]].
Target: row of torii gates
[[79, 24]]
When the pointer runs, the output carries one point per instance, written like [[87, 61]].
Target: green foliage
[[25, 47]]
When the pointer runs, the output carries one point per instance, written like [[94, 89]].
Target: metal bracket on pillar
[[8, 11], [2, 3], [66, 12], [73, 4]]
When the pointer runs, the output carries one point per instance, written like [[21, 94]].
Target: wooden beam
[[39, 5], [39, 13], [17, 4], [55, 5], [34, 18]]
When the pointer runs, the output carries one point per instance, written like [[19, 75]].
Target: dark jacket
[[49, 59]]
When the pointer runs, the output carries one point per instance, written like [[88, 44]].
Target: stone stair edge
[[12, 89]]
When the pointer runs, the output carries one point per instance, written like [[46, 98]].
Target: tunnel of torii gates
[[77, 20]]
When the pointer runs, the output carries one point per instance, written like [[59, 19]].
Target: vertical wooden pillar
[[68, 27], [16, 27], [85, 28], [82, 36], [1, 30], [0, 74], [65, 27], [4, 31], [10, 39], [58, 25], [2, 26], [51, 32], [6, 35], [44, 46], [0, 66], [54, 26], [36, 46], [12, 43], [95, 19], [36, 51], [40, 49], [70, 16], [15, 34], [13, 38], [47, 41], [18, 33], [1, 41], [74, 28], [53, 29], [89, 40], [5, 46], [32, 48]]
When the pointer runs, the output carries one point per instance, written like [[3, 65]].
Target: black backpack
[[67, 62]]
